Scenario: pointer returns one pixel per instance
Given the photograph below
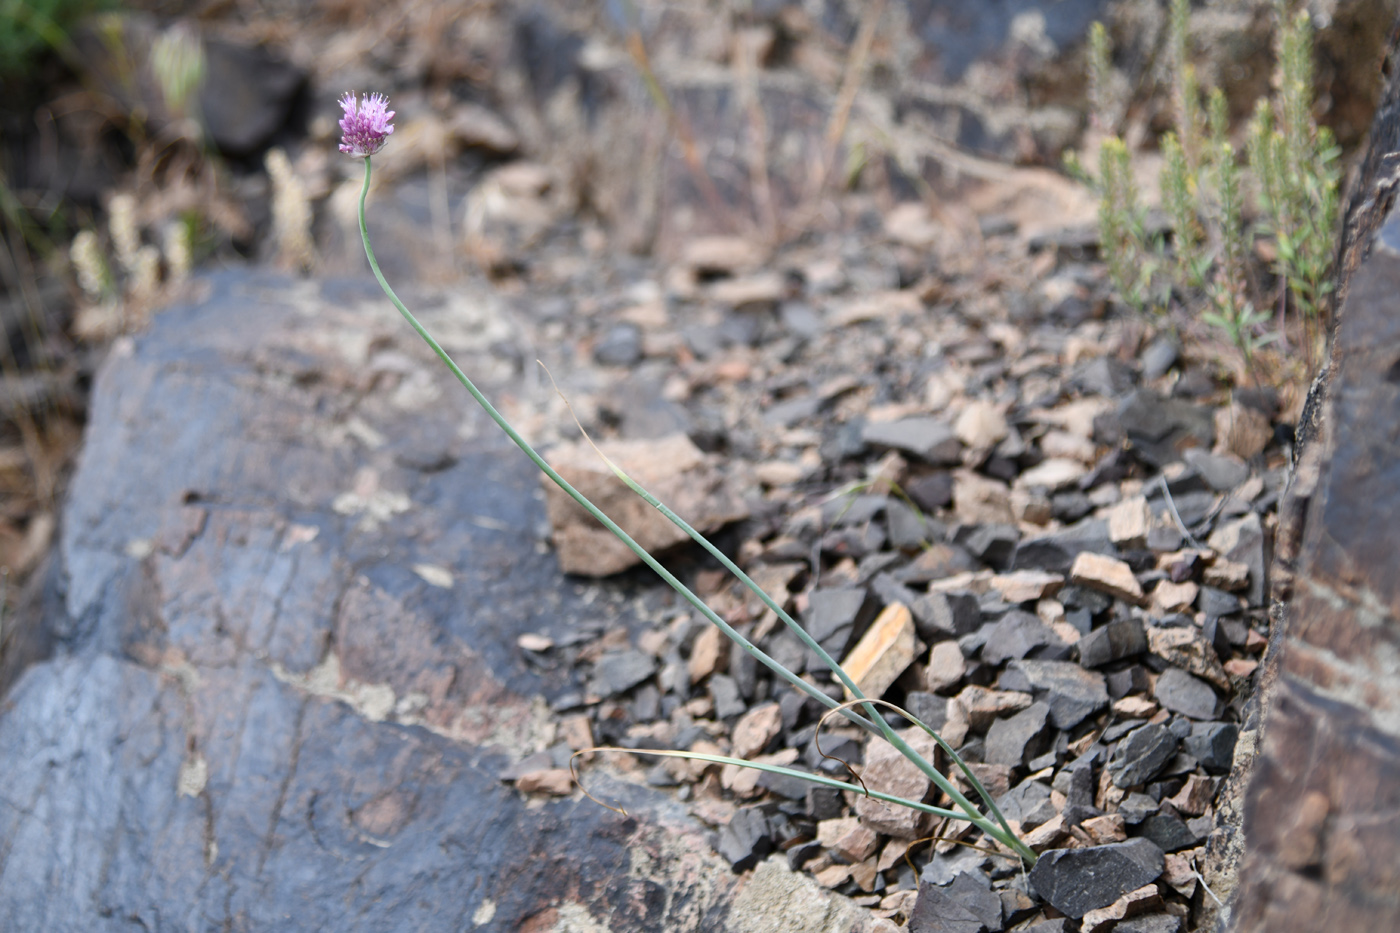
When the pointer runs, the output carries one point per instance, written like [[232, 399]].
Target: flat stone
[[1221, 471], [940, 614], [938, 911], [1150, 923], [1056, 552], [932, 491], [978, 499], [1226, 574], [1122, 638], [1076, 881], [945, 668], [1024, 586], [1213, 745], [888, 771], [1181, 693], [1141, 754], [750, 294], [706, 653], [1187, 649], [756, 729], [1107, 575], [1015, 740], [1242, 431], [721, 255], [835, 617], [620, 671], [1242, 541], [1169, 832], [744, 840], [1129, 522], [620, 345], [1015, 636], [1072, 693], [1053, 475], [729, 702], [884, 652], [928, 708], [1105, 919], [982, 706], [1169, 597], [929, 439], [981, 425], [557, 782], [671, 468]]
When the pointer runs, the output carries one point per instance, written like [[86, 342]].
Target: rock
[[773, 890], [1106, 574], [1122, 638], [945, 668], [619, 672], [557, 782], [980, 500], [940, 615], [908, 530], [729, 702], [888, 771], [1107, 918], [929, 439], [1072, 693], [1014, 741], [1158, 357], [1150, 923], [1052, 475], [1223, 473], [744, 839], [883, 653], [1213, 745], [707, 653], [1187, 649], [1141, 755], [673, 469], [835, 617], [1169, 597], [1159, 427], [1077, 881], [756, 729], [1028, 803], [1181, 693], [1128, 523], [1016, 636], [966, 904], [1168, 832], [981, 425], [1227, 575], [1056, 552], [621, 345], [1243, 541], [932, 491], [992, 544], [982, 706], [1024, 586], [750, 294]]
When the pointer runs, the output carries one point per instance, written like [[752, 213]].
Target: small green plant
[[1291, 162], [365, 128], [28, 28]]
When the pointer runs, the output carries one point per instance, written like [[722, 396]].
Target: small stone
[[727, 700], [932, 491], [756, 729], [938, 911], [1115, 641], [557, 782], [980, 500], [1106, 574], [1015, 636], [929, 439], [983, 706], [1221, 472], [1213, 745], [834, 617], [1141, 754], [706, 653], [1187, 649], [621, 345], [1024, 586], [1150, 923], [744, 840], [981, 425], [1076, 881], [1169, 597], [1195, 795], [1129, 521], [1240, 667], [1054, 474], [1131, 904], [946, 667], [1158, 357], [619, 672], [1073, 693], [1181, 693], [941, 615], [927, 708], [1243, 541], [1134, 707], [1028, 803], [992, 544], [888, 771], [1015, 740], [752, 294], [884, 652], [1105, 829], [721, 255], [854, 843], [1168, 831], [1228, 575]]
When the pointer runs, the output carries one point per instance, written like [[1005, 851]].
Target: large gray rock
[[285, 678]]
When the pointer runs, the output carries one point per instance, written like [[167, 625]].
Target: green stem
[[577, 496]]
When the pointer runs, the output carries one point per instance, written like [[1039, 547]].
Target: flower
[[365, 127]]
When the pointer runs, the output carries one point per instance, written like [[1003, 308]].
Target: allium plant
[[365, 128]]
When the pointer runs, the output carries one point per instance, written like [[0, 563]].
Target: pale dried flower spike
[[365, 126]]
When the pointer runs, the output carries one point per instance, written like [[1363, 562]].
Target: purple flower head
[[365, 127]]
